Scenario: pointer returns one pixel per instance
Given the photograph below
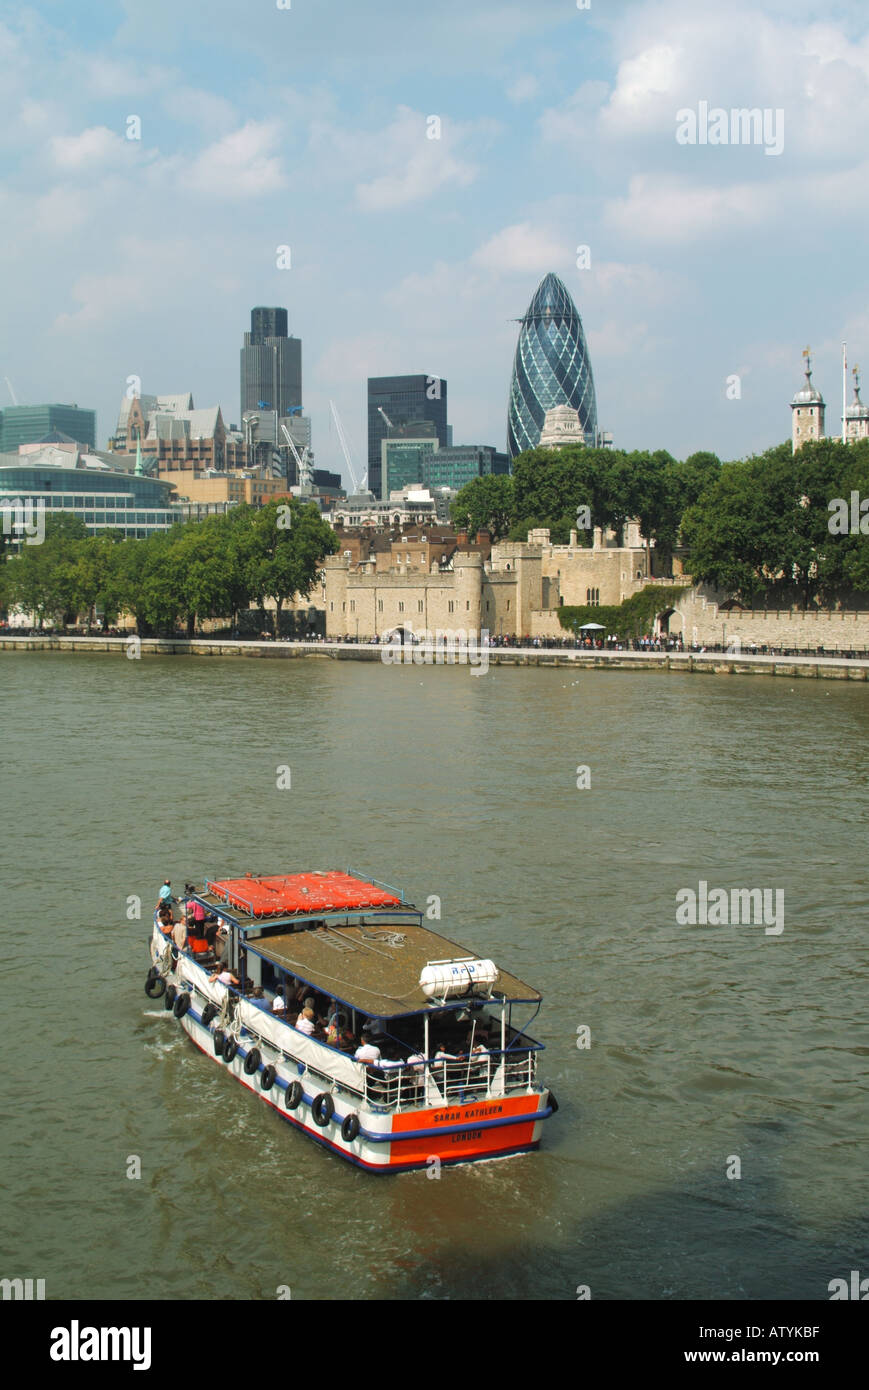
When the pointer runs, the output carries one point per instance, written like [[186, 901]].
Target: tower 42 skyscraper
[[551, 367]]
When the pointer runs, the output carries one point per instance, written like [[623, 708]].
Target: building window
[[331, 608], [508, 605], [419, 605], [450, 606], [380, 605], [352, 605], [467, 605], [401, 607]]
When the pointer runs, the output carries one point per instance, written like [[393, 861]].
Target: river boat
[[445, 1074]]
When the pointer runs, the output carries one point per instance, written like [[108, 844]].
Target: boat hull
[[387, 1140]]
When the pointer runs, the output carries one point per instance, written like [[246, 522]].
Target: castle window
[[401, 607], [450, 606], [380, 605], [419, 605]]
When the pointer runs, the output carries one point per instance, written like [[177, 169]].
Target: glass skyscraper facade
[[405, 399], [551, 367], [28, 424]]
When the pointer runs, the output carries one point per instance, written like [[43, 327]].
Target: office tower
[[404, 400]]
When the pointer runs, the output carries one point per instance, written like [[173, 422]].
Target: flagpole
[[844, 387]]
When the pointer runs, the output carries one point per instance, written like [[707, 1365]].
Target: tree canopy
[[198, 569]]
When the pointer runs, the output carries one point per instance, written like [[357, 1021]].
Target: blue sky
[[307, 127]]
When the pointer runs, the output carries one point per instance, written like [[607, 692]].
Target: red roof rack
[[280, 895]]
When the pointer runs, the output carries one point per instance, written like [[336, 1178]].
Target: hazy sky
[[308, 127]]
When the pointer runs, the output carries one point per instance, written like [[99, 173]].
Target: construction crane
[[357, 486], [303, 462], [389, 423], [11, 392]]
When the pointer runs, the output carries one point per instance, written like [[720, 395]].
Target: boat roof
[[308, 894], [375, 967]]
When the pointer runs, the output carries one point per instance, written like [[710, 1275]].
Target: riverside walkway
[[828, 666]]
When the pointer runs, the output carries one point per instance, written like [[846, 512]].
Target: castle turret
[[807, 421], [857, 414]]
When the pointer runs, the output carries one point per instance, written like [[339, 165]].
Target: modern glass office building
[[551, 367], [28, 424], [403, 399], [103, 499], [408, 462]]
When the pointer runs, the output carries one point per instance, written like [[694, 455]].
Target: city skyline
[[405, 220]]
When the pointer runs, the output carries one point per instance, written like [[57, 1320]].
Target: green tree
[[485, 504]]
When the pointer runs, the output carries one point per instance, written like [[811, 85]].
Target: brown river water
[[714, 1048]]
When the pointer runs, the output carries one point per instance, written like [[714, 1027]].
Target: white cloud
[[671, 209], [93, 148], [239, 165], [401, 163], [523, 247], [640, 82]]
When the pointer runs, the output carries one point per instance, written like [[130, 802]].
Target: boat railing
[[398, 1086]]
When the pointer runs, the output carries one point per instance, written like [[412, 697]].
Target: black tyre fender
[[208, 1013], [322, 1109], [230, 1047], [553, 1103], [169, 996], [293, 1095], [182, 1004], [350, 1128], [219, 1040], [267, 1080], [252, 1061], [155, 985]]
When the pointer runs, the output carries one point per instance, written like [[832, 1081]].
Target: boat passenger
[[179, 935], [223, 977], [366, 1052], [166, 893], [278, 1004], [305, 1023]]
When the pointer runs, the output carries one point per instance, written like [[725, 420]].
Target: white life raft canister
[[447, 978]]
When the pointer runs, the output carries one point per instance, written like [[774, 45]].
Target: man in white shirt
[[305, 1022], [278, 1005], [367, 1053]]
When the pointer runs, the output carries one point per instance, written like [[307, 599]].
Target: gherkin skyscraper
[[551, 367]]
